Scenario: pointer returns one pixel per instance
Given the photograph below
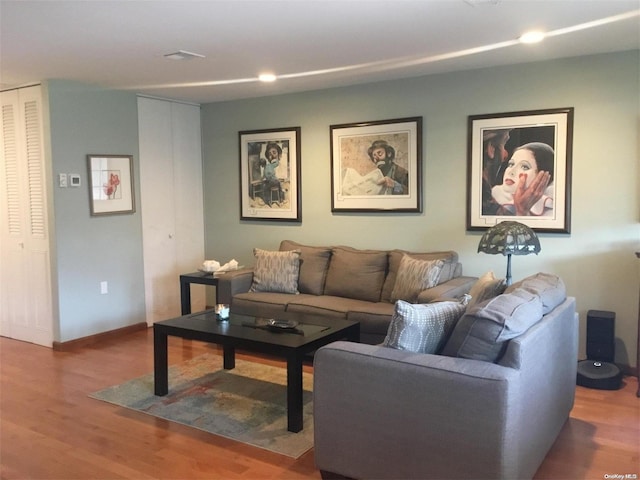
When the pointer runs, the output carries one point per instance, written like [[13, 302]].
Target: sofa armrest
[[379, 411], [232, 283], [454, 288]]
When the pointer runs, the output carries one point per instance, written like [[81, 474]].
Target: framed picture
[[270, 175], [376, 166], [519, 168], [111, 184]]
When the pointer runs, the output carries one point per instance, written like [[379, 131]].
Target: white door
[[171, 203], [25, 279]]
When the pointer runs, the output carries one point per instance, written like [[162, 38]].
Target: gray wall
[[88, 250], [596, 261]]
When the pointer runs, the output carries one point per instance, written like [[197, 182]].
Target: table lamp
[[509, 238]]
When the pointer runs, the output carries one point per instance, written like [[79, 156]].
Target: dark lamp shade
[[509, 238]]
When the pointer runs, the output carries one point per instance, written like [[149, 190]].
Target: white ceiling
[[309, 44]]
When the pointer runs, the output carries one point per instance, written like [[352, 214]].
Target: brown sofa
[[343, 282]]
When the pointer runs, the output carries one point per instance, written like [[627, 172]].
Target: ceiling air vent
[[478, 3], [182, 55]]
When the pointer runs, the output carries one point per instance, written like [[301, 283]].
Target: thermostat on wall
[[74, 180]]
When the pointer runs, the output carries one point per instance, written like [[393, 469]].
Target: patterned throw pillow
[[276, 271], [422, 328], [415, 276], [486, 287]]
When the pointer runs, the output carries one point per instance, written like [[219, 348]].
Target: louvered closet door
[[25, 278]]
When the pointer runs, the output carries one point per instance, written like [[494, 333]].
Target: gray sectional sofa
[[488, 406], [342, 282]]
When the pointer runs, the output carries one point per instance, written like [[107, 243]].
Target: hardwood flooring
[[51, 429]]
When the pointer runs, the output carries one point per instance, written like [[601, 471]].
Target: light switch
[[62, 180]]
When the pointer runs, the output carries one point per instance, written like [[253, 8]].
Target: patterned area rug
[[247, 404]]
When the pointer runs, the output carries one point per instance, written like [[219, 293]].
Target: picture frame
[[270, 174], [110, 184], [506, 149], [395, 184]]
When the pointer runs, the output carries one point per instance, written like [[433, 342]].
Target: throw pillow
[[550, 288], [415, 276], [357, 274], [314, 264], [483, 331], [275, 271], [451, 265], [422, 328], [486, 287]]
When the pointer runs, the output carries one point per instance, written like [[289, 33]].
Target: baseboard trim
[[98, 337]]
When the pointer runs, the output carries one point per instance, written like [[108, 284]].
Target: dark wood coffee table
[[251, 334]]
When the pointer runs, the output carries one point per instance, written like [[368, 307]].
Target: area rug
[[247, 403]]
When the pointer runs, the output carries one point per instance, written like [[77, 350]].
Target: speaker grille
[[601, 335]]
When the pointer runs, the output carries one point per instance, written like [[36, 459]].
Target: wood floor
[[51, 429]]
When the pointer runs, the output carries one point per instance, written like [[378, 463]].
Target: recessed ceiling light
[[534, 36], [182, 55], [267, 77]]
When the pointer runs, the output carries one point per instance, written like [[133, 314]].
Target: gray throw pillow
[[550, 288], [414, 276], [482, 332], [422, 328], [275, 271], [314, 264]]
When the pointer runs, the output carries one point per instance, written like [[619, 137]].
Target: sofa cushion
[[486, 287], [415, 276], [422, 328], [483, 331], [373, 317], [550, 288], [314, 264], [261, 304], [275, 271], [449, 268], [356, 273]]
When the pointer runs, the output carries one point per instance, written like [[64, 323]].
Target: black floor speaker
[[599, 371], [601, 329], [600, 375]]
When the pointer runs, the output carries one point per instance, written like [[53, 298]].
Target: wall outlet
[[104, 288]]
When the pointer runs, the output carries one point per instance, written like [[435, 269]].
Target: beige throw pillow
[[486, 287], [414, 276], [276, 271]]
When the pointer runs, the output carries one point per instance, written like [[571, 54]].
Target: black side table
[[185, 287]]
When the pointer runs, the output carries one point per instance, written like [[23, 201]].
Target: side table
[[185, 287]]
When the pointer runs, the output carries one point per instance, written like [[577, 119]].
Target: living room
[[596, 260]]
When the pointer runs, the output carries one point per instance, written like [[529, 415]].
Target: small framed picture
[[376, 166], [519, 168], [111, 184], [270, 175]]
